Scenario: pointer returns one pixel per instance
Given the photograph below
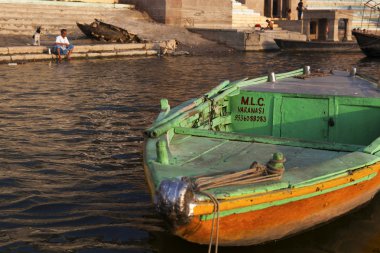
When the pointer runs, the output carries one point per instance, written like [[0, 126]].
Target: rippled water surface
[[71, 178]]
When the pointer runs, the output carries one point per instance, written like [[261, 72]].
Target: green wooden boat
[[261, 159]]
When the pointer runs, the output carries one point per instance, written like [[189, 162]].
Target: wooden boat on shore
[[369, 42], [369, 39], [326, 46], [102, 31], [261, 159]]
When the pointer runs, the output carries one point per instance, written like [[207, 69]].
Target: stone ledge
[[130, 46], [26, 50], [42, 57], [39, 53], [6, 58], [79, 48], [132, 53]]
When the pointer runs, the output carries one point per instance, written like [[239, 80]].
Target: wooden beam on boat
[[267, 139], [374, 147]]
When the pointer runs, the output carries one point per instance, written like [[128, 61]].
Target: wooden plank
[[269, 140], [374, 147]]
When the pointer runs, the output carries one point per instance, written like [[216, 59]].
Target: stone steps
[[34, 22], [22, 17], [52, 10], [29, 29], [243, 17], [65, 4], [52, 20], [51, 16]]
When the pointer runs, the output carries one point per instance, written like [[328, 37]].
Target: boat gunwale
[[206, 208]]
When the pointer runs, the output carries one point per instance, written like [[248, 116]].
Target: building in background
[[235, 13]]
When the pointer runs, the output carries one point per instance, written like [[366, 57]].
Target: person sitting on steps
[[62, 45], [270, 25]]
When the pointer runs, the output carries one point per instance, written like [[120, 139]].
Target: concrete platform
[[248, 40]]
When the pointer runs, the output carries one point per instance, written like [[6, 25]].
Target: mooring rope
[[255, 174], [215, 213]]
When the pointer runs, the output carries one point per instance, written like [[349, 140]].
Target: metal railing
[[374, 9]]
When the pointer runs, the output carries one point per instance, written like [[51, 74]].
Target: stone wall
[[94, 1], [255, 5], [206, 13], [155, 8]]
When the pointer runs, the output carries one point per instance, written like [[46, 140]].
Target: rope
[[255, 174], [215, 213], [211, 114]]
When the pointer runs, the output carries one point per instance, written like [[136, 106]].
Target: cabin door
[[304, 118]]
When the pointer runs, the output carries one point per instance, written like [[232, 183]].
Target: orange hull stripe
[[228, 204]]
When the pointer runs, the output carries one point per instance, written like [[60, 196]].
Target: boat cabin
[[328, 25], [334, 108]]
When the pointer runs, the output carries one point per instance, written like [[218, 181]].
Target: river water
[[71, 178]]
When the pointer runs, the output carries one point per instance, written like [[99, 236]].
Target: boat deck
[[199, 156], [340, 83]]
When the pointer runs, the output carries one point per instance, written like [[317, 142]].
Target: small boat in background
[[102, 31], [260, 159], [325, 46]]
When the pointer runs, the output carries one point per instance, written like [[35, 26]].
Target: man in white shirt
[[62, 45]]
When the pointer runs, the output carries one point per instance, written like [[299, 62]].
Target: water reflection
[[71, 177]]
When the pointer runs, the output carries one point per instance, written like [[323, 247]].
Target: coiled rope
[[255, 174]]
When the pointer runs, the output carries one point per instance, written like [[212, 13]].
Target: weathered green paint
[[351, 162], [289, 74], [218, 88], [222, 90], [350, 118], [162, 152], [165, 109], [304, 118], [267, 139], [164, 104], [373, 147], [252, 113], [285, 201], [277, 161], [336, 119]]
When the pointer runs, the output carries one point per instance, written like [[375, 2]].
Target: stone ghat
[[40, 53]]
